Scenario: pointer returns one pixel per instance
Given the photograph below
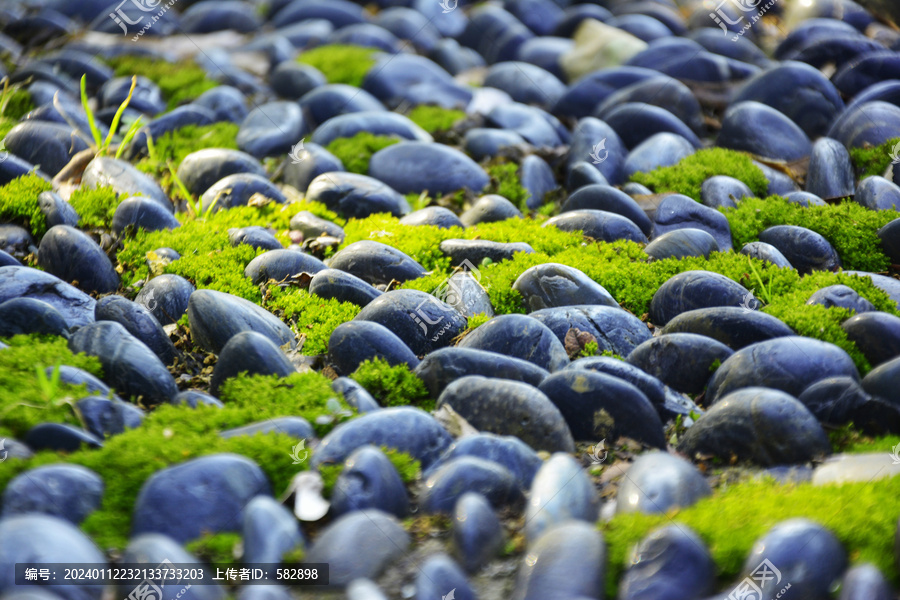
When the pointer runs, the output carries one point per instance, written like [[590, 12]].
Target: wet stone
[[521, 337], [599, 225], [342, 286], [255, 236], [614, 329], [691, 290], [280, 265], [736, 327], [489, 209], [216, 317], [74, 257], [376, 263], [766, 252], [551, 285], [20, 316], [166, 297], [658, 482], [678, 212], [441, 367], [475, 251], [238, 190], [681, 243], [369, 480], [561, 491], [876, 334], [252, 353], [469, 474], [840, 296], [22, 282], [70, 492], [683, 361], [139, 322]]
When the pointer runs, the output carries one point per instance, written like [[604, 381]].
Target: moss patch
[[95, 206], [689, 174], [505, 182], [435, 118], [16, 104], [356, 152], [873, 160], [179, 82], [19, 203], [407, 467], [340, 63], [392, 386], [219, 548], [850, 228]]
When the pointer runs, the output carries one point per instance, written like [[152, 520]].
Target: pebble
[[216, 317], [806, 250], [518, 336], [476, 531], [682, 361], [74, 257], [29, 316], [657, 482], [70, 492], [442, 367], [669, 558], [469, 474], [355, 342], [551, 285], [369, 481], [574, 548], [268, 531], [252, 353]]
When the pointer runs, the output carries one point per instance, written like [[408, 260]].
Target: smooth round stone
[[173, 120], [762, 425], [195, 398], [216, 317], [104, 417], [72, 255], [789, 364], [339, 13], [830, 173], [537, 178], [70, 492], [166, 296], [659, 92], [128, 364], [508, 407], [455, 59], [377, 540], [280, 265], [799, 91], [407, 429], [296, 427], [293, 80], [766, 252], [840, 400], [354, 342], [139, 322], [409, 24], [50, 145], [636, 122], [662, 149], [125, 179], [780, 184], [438, 216], [369, 480], [807, 554], [651, 387], [366, 35], [866, 70], [490, 209], [889, 235], [201, 169], [56, 210], [271, 129], [442, 367], [840, 296], [658, 482], [526, 83], [567, 561], [598, 406], [8, 260], [424, 323], [609, 199], [886, 284], [561, 491], [476, 531], [376, 263], [227, 103], [440, 573], [521, 337], [255, 236], [480, 142], [414, 79], [682, 243], [878, 193], [14, 167], [252, 353], [736, 327], [691, 290], [237, 16], [508, 451], [47, 539], [552, 285], [584, 95], [763, 131], [142, 213], [376, 122], [22, 282], [584, 173], [469, 474], [682, 361], [669, 558], [342, 286], [23, 316], [331, 100], [882, 381], [538, 127], [268, 531], [312, 226], [236, 190], [805, 249], [876, 334], [679, 212], [721, 191], [356, 196], [74, 376], [614, 329], [15, 240], [355, 395], [871, 123], [153, 549], [587, 135], [599, 225], [59, 437], [311, 162], [173, 501], [865, 582], [804, 199]]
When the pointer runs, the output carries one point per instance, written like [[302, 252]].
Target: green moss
[[23, 401], [873, 160], [863, 516], [19, 203], [17, 103], [505, 182], [435, 118], [407, 467], [313, 317], [356, 152], [478, 320], [392, 386], [849, 227], [340, 63], [218, 548], [179, 82], [95, 206], [688, 175]]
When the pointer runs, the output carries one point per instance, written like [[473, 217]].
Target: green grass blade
[[115, 122], [129, 135], [98, 140]]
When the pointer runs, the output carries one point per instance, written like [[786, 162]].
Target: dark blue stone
[[195, 398], [441, 367], [142, 213], [108, 417], [440, 573], [519, 336], [662, 149], [236, 190], [614, 329], [369, 480], [125, 179], [376, 263], [355, 395], [376, 122], [166, 296], [250, 353], [878, 193], [338, 12], [280, 265], [806, 250], [413, 78], [567, 561], [366, 35], [607, 198], [767, 252], [70, 492], [561, 491], [659, 483], [24, 316], [678, 212], [599, 225], [417, 166], [636, 122], [73, 256], [203, 168], [840, 296], [293, 80], [56, 210], [254, 236], [691, 290], [354, 342], [22, 282], [683, 361], [508, 451], [342, 286], [476, 530], [681, 243], [865, 582], [354, 195], [312, 226], [438, 216], [331, 100], [269, 530], [552, 285], [469, 474], [480, 142], [296, 427], [762, 130], [872, 123], [151, 549], [59, 437], [587, 135], [227, 103], [830, 173], [883, 380], [721, 191], [216, 317], [584, 95], [669, 558], [50, 145], [409, 24], [536, 126], [876, 334], [490, 209], [736, 327]]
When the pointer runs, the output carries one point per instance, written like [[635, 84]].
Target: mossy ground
[[95, 206], [356, 152], [873, 160], [688, 175], [15, 104], [340, 63], [435, 118], [179, 82], [392, 386], [19, 203]]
